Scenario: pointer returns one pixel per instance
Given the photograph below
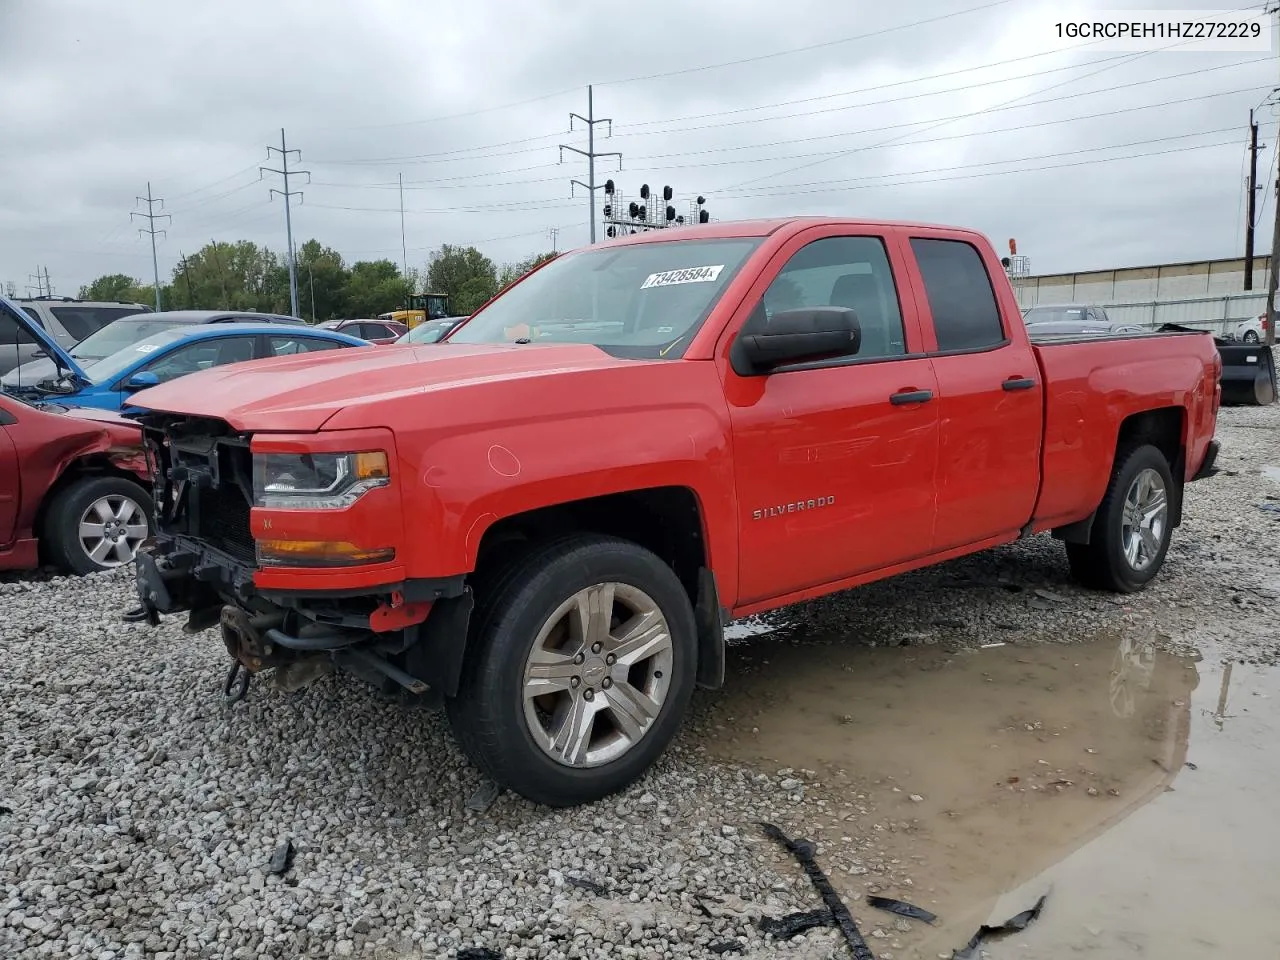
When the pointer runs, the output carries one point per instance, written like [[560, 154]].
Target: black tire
[[487, 716], [1101, 564], [1251, 336], [61, 536]]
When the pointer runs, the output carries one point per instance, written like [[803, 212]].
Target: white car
[[1252, 331]]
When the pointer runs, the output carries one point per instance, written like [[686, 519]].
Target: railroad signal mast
[[623, 218]]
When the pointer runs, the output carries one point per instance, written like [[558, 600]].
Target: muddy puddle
[[971, 783]]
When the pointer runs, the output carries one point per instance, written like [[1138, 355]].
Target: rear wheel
[[580, 671], [1251, 336], [1132, 528], [96, 523]]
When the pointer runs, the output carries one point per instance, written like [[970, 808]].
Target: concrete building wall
[[1173, 281]]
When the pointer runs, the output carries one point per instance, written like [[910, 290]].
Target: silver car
[[67, 321]]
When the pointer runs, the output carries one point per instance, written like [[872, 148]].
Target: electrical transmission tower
[[286, 173], [151, 217], [590, 153]]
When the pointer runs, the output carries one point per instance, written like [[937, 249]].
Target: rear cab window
[[966, 315]]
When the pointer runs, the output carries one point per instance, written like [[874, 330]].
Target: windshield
[[1055, 315], [109, 368], [429, 332], [119, 334], [645, 300]]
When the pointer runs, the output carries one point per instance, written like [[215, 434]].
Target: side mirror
[[790, 336], [141, 381]]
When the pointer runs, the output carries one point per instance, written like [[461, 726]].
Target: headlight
[[317, 481]]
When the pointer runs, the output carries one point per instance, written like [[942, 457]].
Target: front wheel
[[1132, 527], [96, 523], [580, 669], [1251, 336]]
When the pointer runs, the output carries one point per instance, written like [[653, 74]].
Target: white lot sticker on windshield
[[147, 347], [687, 275]]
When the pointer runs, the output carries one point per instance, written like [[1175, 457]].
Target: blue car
[[164, 356]]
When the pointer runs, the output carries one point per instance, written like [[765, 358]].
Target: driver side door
[[835, 460]]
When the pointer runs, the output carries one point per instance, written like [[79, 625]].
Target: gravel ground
[[139, 815]]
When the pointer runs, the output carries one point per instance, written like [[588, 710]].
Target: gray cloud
[[99, 98]]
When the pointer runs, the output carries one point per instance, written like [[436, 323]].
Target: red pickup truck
[[544, 521]]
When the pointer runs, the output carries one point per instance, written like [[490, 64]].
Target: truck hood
[[301, 392], [58, 356]]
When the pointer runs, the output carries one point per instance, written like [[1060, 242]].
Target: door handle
[[1019, 383], [910, 396]]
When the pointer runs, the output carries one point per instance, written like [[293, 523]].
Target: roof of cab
[[730, 229]]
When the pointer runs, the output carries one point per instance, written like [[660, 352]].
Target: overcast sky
[[930, 110]]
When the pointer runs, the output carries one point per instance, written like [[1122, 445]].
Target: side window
[[11, 333], [285, 346], [849, 272], [200, 356], [961, 298]]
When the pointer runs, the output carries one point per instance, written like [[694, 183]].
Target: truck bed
[[1092, 384]]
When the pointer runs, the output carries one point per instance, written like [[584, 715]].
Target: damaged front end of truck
[[405, 637]]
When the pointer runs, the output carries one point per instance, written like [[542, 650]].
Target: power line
[[1015, 103], [590, 153], [834, 187], [151, 217], [809, 47], [445, 184], [285, 172]]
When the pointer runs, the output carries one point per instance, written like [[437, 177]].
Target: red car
[[380, 332], [74, 488], [545, 520]]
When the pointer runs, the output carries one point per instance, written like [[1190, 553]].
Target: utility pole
[[590, 153], [151, 217], [48, 287], [222, 277], [1252, 202], [285, 172], [1272, 265], [552, 234], [404, 252], [39, 279], [191, 297]]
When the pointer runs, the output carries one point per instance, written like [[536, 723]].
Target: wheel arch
[[667, 520], [1165, 428], [88, 465]]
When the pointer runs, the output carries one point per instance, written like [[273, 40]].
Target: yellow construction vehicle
[[422, 307]]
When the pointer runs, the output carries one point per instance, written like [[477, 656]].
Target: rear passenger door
[[990, 397], [834, 460]]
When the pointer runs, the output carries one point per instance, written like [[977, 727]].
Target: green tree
[[511, 272], [374, 287], [465, 274], [322, 282], [116, 286]]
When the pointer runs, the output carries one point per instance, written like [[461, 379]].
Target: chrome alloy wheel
[[1142, 527], [597, 675], [111, 529]]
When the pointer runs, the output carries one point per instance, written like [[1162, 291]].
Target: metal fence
[[1221, 315]]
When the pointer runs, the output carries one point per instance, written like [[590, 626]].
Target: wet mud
[[972, 783]]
